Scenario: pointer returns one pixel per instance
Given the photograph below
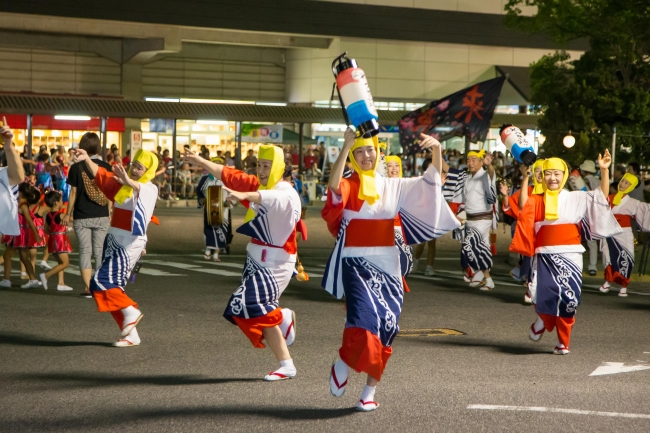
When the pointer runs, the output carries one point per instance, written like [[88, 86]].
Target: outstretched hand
[[6, 132], [504, 189], [349, 137], [191, 157], [427, 142], [605, 160], [121, 174], [80, 155], [487, 159], [235, 195]]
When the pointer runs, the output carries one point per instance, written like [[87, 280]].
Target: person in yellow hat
[[394, 170], [273, 213], [134, 199], [549, 230], [476, 190], [618, 250], [365, 264], [522, 272]]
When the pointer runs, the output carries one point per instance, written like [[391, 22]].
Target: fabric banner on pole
[[468, 111]]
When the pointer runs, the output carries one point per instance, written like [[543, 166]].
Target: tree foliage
[[607, 87]]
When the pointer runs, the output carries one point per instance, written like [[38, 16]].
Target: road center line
[[557, 410]]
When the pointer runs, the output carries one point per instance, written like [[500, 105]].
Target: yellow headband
[[538, 186], [274, 154], [397, 159], [367, 187], [634, 181], [150, 162], [551, 197], [480, 154]]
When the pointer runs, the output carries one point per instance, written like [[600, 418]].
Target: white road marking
[[238, 266], [159, 273], [617, 367], [226, 264], [440, 278], [193, 268], [557, 410]]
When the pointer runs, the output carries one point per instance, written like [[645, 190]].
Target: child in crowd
[[58, 243], [30, 236]]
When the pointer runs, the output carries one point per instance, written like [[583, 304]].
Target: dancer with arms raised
[[365, 264]]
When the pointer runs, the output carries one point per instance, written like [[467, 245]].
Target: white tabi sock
[[538, 325], [208, 251], [133, 337], [286, 368], [489, 283], [287, 363], [368, 393]]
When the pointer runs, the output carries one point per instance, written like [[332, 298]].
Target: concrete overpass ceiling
[[235, 18], [172, 35]]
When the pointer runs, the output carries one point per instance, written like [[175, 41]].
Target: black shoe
[[592, 273], [86, 295]]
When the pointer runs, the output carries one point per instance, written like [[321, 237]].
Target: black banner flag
[[468, 111]]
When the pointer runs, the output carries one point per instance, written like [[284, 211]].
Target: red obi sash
[[557, 234], [623, 220], [122, 219], [370, 233]]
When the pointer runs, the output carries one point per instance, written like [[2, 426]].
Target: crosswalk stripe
[[193, 268]]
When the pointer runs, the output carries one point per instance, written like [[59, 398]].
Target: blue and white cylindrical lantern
[[355, 96], [516, 143]]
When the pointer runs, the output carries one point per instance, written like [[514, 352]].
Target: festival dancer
[[134, 198], [57, 242], [476, 189], [31, 236], [216, 237], [548, 229], [273, 213], [10, 177], [618, 250], [365, 264], [511, 208], [394, 170]]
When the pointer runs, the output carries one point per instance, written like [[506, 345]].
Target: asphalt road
[[196, 372]]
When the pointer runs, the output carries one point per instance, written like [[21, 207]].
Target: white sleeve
[[640, 211], [490, 186], [145, 203], [8, 207], [276, 218], [425, 213], [599, 219]]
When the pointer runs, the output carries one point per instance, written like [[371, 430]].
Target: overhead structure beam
[[116, 107]]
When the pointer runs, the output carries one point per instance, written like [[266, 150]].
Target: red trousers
[[563, 325], [253, 328], [362, 351]]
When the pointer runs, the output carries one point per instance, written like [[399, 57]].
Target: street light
[[569, 140]]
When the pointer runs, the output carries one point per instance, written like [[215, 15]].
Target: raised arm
[[339, 165], [523, 194], [15, 170], [253, 197], [487, 161], [430, 143], [124, 179], [212, 168], [604, 162], [82, 155]]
